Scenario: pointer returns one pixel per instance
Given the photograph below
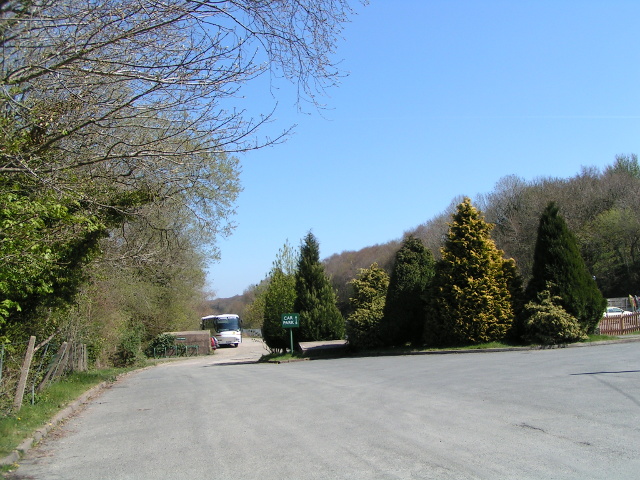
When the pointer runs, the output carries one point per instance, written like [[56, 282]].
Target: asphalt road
[[569, 413]]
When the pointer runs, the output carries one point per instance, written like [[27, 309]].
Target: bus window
[[226, 328]]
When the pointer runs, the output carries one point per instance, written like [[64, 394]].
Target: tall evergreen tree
[[320, 318], [369, 294], [404, 309], [557, 262], [279, 298], [470, 301]]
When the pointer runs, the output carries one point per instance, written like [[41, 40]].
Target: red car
[[214, 343]]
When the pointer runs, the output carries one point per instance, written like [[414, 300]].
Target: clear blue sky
[[443, 98]]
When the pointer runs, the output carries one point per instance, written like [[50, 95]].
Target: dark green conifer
[[404, 308], [316, 300], [557, 261]]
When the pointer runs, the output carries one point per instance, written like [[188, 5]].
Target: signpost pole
[[290, 321], [291, 338]]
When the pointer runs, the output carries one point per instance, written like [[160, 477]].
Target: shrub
[[548, 323], [160, 344], [370, 290], [129, 350]]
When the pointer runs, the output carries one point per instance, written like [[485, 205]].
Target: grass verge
[[16, 427], [407, 350]]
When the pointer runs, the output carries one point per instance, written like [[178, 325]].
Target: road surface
[[569, 413]]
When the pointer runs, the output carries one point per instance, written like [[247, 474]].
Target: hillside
[[600, 208]]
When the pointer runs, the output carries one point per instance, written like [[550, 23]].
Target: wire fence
[[24, 376]]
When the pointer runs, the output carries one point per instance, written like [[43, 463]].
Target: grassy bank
[[288, 357]]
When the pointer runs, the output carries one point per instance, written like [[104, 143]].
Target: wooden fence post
[[24, 373]]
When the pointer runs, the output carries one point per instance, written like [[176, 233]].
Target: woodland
[[119, 122], [600, 207], [118, 130]]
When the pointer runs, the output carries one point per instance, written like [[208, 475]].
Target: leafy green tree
[[546, 322], [367, 302], [469, 301], [611, 241], [404, 309], [279, 298], [46, 239], [320, 318], [90, 147], [557, 261], [253, 310]]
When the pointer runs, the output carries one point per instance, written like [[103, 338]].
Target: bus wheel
[[235, 345]]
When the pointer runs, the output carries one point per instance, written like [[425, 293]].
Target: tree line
[[544, 256], [471, 295], [599, 206], [119, 121]]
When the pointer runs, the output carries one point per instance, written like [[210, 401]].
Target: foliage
[[369, 295], [404, 309], [160, 343], [128, 162], [315, 301], [557, 262], [279, 298], [253, 312], [546, 322], [46, 238], [129, 350], [612, 244], [345, 266], [470, 300]]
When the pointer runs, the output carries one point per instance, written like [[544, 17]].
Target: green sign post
[[290, 320]]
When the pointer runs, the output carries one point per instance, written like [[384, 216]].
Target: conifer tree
[[557, 261], [404, 309], [316, 300], [470, 301], [368, 300]]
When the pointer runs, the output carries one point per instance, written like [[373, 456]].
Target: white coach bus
[[226, 328]]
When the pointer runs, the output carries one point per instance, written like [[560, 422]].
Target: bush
[[548, 323], [160, 344], [363, 329], [369, 293], [129, 351]]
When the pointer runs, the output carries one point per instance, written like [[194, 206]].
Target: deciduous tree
[[280, 298]]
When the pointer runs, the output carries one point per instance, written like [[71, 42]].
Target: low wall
[[201, 338]]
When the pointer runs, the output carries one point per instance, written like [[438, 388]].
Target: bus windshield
[[227, 324], [221, 323]]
